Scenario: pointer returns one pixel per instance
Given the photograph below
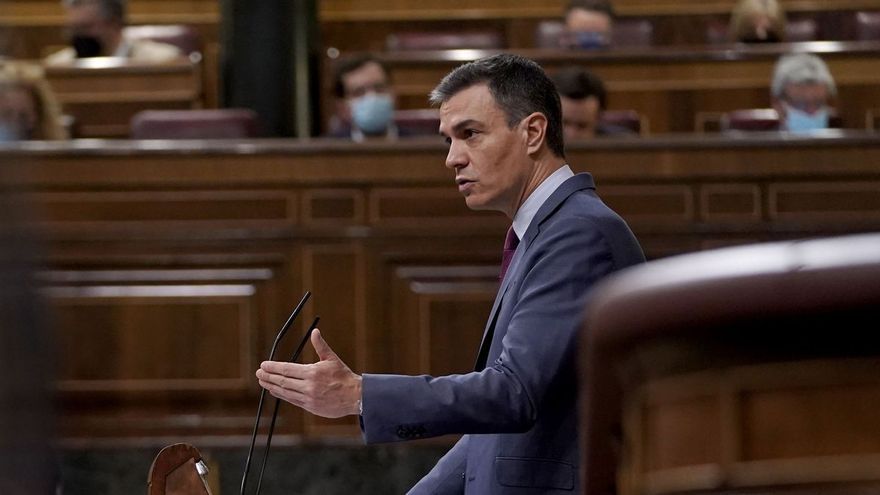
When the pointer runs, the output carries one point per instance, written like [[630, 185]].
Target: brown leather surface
[[174, 472]]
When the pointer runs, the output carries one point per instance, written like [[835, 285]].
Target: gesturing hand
[[327, 388]]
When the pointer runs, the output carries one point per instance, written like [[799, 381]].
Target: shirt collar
[[524, 215]]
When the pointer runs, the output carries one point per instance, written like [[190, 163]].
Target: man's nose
[[455, 158]]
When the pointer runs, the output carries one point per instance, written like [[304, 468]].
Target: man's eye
[[469, 133], [447, 140]]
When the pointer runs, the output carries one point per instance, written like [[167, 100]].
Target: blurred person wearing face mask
[[588, 24], [757, 21], [95, 29], [28, 109], [364, 101], [802, 92]]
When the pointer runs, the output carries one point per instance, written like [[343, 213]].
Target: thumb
[[321, 347]]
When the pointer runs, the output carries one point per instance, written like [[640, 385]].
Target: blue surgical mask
[[800, 121], [7, 133], [587, 40], [12, 132], [372, 112]]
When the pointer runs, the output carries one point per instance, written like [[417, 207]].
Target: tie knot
[[511, 241]]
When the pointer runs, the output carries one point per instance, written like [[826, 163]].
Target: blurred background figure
[[28, 109], [583, 99], [94, 29], [365, 101], [757, 21], [588, 24], [802, 92]]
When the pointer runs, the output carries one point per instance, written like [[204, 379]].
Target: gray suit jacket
[[518, 413]]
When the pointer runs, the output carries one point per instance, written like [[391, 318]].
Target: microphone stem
[[268, 444]]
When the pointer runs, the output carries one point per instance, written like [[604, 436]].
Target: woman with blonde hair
[[757, 21], [28, 108]]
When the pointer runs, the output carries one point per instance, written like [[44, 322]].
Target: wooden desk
[[743, 370], [669, 84], [104, 94], [172, 264]]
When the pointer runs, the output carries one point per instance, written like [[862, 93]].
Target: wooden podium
[[178, 470], [750, 369]]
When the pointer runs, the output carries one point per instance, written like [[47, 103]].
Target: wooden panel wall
[[170, 270], [768, 426], [103, 99]]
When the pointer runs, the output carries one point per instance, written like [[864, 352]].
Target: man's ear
[[535, 130]]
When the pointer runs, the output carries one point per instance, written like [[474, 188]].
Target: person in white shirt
[[95, 29]]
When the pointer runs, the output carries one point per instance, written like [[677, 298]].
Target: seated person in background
[[583, 99], [802, 92], [588, 24], [757, 21], [28, 109], [364, 100], [94, 28]]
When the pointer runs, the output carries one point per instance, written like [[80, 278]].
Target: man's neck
[[543, 168], [529, 208]]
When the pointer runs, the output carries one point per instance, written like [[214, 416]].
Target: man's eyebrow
[[464, 123], [460, 125]]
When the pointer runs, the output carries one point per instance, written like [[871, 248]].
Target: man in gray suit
[[517, 410]]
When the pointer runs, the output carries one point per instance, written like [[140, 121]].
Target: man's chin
[[475, 204]]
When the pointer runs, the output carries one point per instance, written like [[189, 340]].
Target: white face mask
[[800, 121]]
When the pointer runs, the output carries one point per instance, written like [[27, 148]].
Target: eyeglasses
[[293, 358]]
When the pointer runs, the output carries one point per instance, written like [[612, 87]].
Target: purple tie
[[510, 244]]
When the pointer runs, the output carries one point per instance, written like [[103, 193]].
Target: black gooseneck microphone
[[293, 358], [287, 324]]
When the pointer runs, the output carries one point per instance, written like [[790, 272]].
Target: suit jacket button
[[402, 432]]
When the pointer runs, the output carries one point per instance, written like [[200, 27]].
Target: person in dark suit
[[502, 120]]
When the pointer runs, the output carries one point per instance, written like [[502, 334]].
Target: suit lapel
[[566, 189]]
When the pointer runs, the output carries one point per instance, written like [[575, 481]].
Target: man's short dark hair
[[112, 10], [602, 6], [519, 85], [352, 64], [578, 83]]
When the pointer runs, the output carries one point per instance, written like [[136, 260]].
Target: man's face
[[580, 22], [809, 97], [579, 117], [365, 79], [86, 19], [369, 78], [490, 160]]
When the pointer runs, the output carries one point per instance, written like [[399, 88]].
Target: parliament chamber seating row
[[654, 90], [690, 80], [672, 88], [177, 263]]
